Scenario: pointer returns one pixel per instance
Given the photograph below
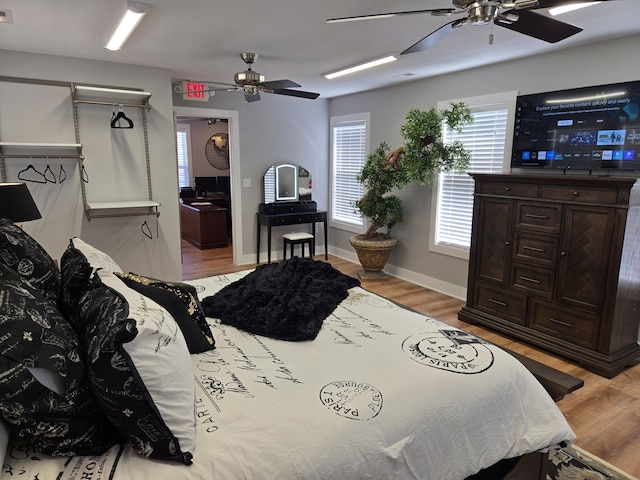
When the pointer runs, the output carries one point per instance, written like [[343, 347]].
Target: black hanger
[[48, 174], [146, 230], [62, 174], [83, 174], [30, 174], [116, 117]]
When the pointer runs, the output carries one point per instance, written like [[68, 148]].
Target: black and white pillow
[[181, 301], [75, 276], [98, 259], [140, 369], [24, 255], [45, 397]]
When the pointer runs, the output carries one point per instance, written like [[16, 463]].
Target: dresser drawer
[[540, 217], [509, 189], [535, 249], [562, 193], [532, 280], [570, 325], [501, 302]]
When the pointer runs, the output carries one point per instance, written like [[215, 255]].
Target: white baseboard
[[431, 283]]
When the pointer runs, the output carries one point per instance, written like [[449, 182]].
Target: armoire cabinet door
[[584, 256], [494, 251]]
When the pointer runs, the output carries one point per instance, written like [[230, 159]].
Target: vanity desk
[[289, 213]]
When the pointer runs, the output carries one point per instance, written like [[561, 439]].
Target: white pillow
[[141, 370], [96, 258]]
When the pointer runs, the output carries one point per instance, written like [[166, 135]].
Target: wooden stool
[[298, 238]]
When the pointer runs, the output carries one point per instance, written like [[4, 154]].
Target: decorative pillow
[[23, 254], [181, 301], [140, 369], [75, 274], [44, 395], [96, 258]]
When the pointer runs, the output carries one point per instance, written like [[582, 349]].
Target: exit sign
[[195, 91]]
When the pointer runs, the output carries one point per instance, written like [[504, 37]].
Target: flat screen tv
[[589, 128]]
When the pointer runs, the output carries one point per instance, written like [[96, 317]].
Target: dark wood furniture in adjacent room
[[289, 213], [204, 226], [555, 261]]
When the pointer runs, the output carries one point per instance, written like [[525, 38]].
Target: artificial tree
[[420, 160]]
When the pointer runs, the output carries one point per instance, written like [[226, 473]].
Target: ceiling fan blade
[[557, 3], [273, 84], [432, 38], [539, 26], [295, 93], [432, 11], [252, 98]]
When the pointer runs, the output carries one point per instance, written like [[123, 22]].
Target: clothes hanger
[[146, 230], [30, 174], [116, 117], [48, 174], [62, 174], [83, 174]]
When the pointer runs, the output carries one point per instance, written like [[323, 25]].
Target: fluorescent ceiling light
[[569, 8], [362, 66], [131, 17]]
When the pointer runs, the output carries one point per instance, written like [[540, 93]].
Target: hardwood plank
[[604, 413]]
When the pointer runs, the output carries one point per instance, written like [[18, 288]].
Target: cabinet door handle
[[560, 322], [531, 280], [502, 304], [575, 194], [507, 189], [533, 249], [531, 215]]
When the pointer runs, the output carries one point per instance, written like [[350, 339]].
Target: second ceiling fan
[[516, 15], [252, 83]]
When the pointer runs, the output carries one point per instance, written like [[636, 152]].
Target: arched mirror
[[286, 182]]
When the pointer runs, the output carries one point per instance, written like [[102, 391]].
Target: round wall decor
[[217, 151]]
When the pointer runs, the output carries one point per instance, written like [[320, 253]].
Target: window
[[487, 141], [183, 142], [349, 149]]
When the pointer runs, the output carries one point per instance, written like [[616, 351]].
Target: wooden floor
[[605, 414]]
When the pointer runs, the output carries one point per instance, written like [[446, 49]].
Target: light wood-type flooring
[[604, 413]]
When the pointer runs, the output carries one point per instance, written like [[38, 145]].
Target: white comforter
[[381, 393]]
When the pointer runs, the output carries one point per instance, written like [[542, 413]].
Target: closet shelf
[[110, 96], [55, 148], [121, 209]]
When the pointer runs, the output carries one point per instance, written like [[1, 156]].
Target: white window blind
[[485, 141], [349, 147], [182, 142]]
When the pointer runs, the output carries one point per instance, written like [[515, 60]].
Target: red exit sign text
[[195, 91]]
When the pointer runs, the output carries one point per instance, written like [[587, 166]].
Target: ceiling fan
[[516, 15], [252, 83]]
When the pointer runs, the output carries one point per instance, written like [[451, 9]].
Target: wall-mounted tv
[[582, 128]]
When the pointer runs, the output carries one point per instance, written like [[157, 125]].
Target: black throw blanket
[[287, 300]]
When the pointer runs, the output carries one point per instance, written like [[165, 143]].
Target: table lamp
[[16, 203]]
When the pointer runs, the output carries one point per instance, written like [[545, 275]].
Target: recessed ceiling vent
[[5, 16]]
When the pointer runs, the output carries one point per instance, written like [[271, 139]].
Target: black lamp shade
[[17, 203]]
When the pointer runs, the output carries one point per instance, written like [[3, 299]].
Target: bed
[[376, 391]]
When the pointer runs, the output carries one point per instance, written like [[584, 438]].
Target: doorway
[[230, 118]]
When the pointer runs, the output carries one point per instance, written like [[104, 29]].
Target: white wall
[[31, 113], [601, 63]]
